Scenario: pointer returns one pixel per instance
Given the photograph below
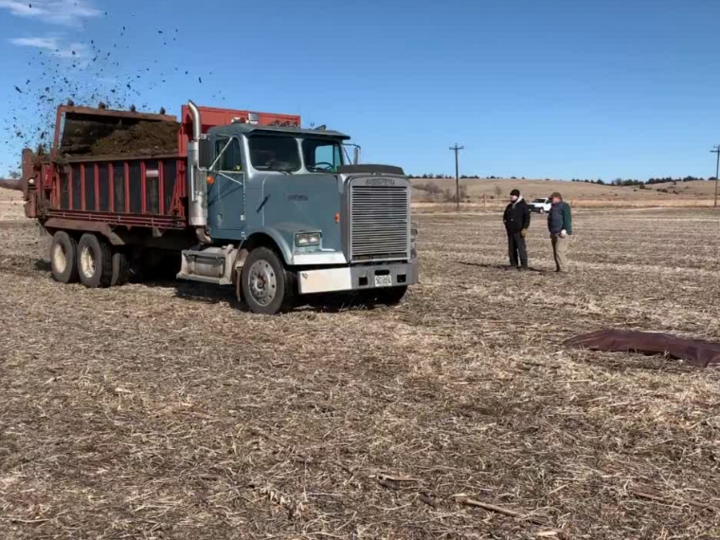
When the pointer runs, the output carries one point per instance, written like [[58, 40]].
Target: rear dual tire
[[63, 258], [95, 262], [120, 268], [91, 261]]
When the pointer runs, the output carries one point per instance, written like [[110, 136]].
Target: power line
[[457, 149], [716, 150]]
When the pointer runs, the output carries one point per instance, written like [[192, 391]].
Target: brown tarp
[[698, 353]]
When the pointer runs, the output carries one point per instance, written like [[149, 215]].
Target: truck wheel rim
[[263, 283], [59, 258], [87, 262]]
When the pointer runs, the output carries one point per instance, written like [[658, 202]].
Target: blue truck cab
[[280, 212]]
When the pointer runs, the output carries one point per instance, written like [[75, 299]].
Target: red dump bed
[[145, 189]]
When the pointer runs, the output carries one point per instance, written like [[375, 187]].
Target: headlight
[[308, 239]]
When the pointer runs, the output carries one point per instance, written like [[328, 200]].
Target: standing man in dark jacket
[[517, 222], [560, 225]]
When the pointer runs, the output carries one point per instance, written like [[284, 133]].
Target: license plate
[[383, 281]]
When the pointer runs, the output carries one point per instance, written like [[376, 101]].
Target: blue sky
[[551, 88]]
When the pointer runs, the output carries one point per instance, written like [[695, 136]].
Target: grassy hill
[[496, 191]]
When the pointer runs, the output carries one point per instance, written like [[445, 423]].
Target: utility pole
[[716, 150], [457, 149]]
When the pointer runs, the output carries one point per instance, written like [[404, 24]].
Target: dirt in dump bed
[[142, 139]]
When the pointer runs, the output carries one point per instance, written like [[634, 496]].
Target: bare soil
[[159, 410], [11, 206], [143, 139]]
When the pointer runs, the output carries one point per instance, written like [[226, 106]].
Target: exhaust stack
[[197, 181]]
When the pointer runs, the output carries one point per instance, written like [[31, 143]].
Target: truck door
[[226, 190]]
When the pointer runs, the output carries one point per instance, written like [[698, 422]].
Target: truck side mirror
[[206, 157], [356, 155]]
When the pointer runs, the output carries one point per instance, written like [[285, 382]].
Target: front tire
[[266, 286], [63, 258], [94, 262]]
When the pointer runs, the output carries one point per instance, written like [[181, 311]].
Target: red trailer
[[123, 191], [136, 200]]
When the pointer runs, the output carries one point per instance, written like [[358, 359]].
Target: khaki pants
[[560, 247]]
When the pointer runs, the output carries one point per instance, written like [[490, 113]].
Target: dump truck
[[247, 200]]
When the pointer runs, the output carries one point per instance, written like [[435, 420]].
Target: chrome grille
[[380, 223]]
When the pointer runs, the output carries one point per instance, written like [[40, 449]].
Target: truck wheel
[[120, 268], [63, 258], [266, 286], [94, 262]]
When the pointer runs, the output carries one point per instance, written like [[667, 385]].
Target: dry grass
[[160, 411], [499, 205], [482, 193]]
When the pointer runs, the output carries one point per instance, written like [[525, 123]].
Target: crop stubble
[[158, 410]]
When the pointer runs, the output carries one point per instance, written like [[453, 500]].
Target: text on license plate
[[383, 281]]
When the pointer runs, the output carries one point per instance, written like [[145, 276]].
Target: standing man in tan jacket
[[560, 225]]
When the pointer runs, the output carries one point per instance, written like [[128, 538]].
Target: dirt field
[[160, 411], [11, 206]]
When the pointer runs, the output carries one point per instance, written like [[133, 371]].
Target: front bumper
[[358, 278]]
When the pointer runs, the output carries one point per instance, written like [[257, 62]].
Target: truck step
[[209, 265]]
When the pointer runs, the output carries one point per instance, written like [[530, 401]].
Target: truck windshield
[[322, 155], [274, 153]]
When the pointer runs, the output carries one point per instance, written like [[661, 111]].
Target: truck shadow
[[42, 265], [212, 294]]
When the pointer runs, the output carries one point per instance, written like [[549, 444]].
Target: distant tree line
[[433, 176], [634, 182], [675, 180], [599, 181]]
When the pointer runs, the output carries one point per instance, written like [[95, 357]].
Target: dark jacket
[[560, 218], [517, 216]]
